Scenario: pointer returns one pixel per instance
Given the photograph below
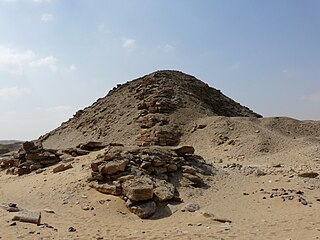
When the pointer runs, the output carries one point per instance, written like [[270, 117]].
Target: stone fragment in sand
[[28, 217]]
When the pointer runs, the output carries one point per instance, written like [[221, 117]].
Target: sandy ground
[[265, 156]]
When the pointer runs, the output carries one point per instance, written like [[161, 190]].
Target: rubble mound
[[31, 157], [148, 177], [151, 110]]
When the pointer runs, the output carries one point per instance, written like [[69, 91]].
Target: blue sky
[[57, 56]]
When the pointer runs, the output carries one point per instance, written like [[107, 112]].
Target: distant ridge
[[151, 110], [9, 145]]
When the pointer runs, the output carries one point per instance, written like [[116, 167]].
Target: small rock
[[145, 165], [38, 171], [222, 220], [189, 169], [193, 178], [107, 188], [181, 151], [72, 229], [207, 214], [85, 208], [202, 126], [61, 168], [172, 168], [114, 167], [303, 201], [165, 191], [47, 210], [144, 210], [192, 207], [11, 207], [277, 165], [309, 175], [259, 172]]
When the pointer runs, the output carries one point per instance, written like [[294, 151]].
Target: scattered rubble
[[11, 207], [146, 176], [286, 194], [31, 157], [21, 214], [34, 157]]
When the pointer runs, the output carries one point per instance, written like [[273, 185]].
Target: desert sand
[[264, 185]]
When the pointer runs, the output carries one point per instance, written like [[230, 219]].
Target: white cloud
[[50, 62], [288, 73], [15, 62], [101, 27], [315, 98], [128, 43], [41, 1], [12, 61], [236, 66], [169, 48], [12, 92], [46, 17], [72, 68], [8, 1], [33, 1]]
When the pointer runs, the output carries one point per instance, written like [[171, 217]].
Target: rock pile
[[146, 177], [30, 157], [33, 156]]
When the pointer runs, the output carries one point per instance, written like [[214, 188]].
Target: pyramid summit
[[152, 110]]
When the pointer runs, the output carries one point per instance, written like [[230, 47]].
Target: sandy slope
[[238, 147]]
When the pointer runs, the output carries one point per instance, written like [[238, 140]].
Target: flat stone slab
[[138, 189], [28, 217]]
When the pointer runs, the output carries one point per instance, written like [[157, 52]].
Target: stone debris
[[48, 210], [91, 146], [192, 207], [286, 194], [138, 189], [164, 190], [61, 168], [28, 217], [304, 171], [31, 157], [144, 209], [11, 207], [147, 176], [309, 175], [222, 220], [181, 151], [114, 167], [72, 229]]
